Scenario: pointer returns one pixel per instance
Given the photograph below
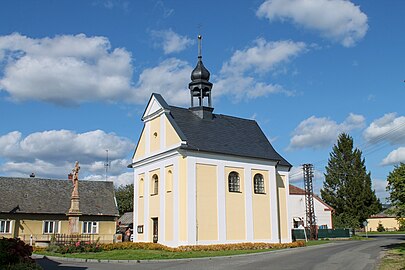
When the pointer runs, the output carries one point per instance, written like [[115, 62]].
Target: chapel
[[204, 178]]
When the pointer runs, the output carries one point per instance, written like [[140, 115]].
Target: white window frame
[[50, 227], [3, 226], [90, 225]]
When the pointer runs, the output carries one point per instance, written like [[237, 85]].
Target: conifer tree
[[347, 186]]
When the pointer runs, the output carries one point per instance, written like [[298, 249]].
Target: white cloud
[[67, 70], [380, 189], [338, 20], [263, 56], [389, 128], [321, 132], [395, 157], [238, 75], [53, 153], [170, 78], [171, 41], [119, 180]]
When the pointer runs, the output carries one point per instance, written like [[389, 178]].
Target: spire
[[200, 86]]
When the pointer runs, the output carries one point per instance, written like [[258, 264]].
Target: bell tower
[[200, 87]]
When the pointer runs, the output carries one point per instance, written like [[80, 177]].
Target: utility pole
[[309, 200]]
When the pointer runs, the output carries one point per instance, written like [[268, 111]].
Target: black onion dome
[[200, 72]]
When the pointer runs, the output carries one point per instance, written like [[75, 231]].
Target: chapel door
[[155, 230]]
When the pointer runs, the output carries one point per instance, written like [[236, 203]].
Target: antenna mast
[[106, 165]]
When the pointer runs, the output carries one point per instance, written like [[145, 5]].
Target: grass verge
[[141, 254], [394, 258]]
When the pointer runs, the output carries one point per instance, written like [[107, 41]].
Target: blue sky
[[75, 77]]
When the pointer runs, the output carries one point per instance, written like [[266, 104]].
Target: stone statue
[[75, 179]]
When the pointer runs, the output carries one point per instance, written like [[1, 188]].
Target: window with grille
[[155, 184], [50, 226], [5, 226], [90, 227], [258, 182], [233, 182]]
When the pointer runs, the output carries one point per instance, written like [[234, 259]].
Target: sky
[[75, 77]]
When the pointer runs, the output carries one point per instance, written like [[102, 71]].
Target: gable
[[156, 105]]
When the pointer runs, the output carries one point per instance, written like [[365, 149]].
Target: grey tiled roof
[[224, 134], [48, 196], [127, 218]]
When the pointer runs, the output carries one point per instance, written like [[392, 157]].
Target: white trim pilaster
[[162, 202], [176, 206], [248, 203], [273, 205]]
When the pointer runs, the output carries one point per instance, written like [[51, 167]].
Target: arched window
[[233, 182], [141, 187], [258, 181], [169, 181], [155, 184]]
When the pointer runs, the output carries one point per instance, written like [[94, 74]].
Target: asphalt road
[[353, 255]]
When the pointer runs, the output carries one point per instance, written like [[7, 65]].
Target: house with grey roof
[[34, 208], [207, 178]]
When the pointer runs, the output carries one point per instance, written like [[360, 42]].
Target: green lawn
[[394, 258], [371, 233], [139, 254]]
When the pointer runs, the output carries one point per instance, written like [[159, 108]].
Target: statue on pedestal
[[75, 180]]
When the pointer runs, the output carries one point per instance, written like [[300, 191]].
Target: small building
[[388, 221], [297, 210], [37, 208], [205, 178]]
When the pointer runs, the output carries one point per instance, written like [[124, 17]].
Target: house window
[[233, 182], [90, 227], [258, 182], [50, 226], [5, 226], [155, 185]]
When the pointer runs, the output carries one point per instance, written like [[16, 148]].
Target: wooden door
[[155, 230]]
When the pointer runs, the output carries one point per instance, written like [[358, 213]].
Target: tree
[[347, 185], [396, 188], [125, 198]]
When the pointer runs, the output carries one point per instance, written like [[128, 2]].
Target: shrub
[[380, 228], [13, 251], [77, 247]]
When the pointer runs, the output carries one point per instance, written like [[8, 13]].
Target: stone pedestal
[[74, 214]]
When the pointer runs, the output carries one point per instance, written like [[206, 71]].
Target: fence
[[61, 239], [298, 234]]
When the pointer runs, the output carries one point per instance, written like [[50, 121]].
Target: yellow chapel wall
[[155, 134], [171, 135], [154, 200], [206, 205], [235, 208], [261, 208], [282, 205], [141, 205], [140, 149]]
